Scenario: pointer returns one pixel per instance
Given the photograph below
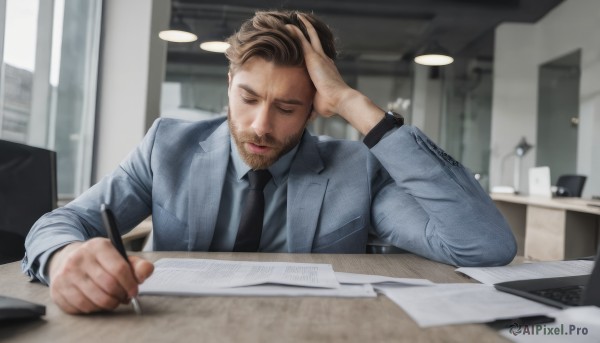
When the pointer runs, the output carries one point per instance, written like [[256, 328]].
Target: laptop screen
[[591, 294], [539, 182]]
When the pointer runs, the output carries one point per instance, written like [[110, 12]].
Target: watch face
[[397, 117]]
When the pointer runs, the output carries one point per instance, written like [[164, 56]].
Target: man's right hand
[[92, 276]]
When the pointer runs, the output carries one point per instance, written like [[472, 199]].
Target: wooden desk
[[551, 228], [249, 319]]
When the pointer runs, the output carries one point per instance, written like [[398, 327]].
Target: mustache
[[266, 140]]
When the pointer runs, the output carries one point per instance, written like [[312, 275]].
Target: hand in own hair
[[333, 95], [331, 88]]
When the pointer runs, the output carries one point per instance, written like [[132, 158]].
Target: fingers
[[62, 302], [306, 46], [75, 292], [315, 42], [114, 264], [87, 296], [93, 276], [142, 268]]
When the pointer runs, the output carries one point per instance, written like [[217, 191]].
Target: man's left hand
[[333, 95]]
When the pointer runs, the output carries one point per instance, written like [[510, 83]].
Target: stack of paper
[[445, 304], [352, 278], [434, 304], [459, 303], [216, 277], [537, 270]]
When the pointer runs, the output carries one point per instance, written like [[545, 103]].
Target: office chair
[[570, 185], [27, 191]]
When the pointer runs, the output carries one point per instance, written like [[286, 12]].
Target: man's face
[[269, 107]]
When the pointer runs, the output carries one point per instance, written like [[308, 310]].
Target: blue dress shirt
[[274, 237]]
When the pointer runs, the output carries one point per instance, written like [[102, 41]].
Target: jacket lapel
[[306, 190], [208, 170]]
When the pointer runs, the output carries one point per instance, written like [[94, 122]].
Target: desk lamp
[[520, 150]]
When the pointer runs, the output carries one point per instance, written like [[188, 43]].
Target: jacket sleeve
[[128, 192], [426, 202]]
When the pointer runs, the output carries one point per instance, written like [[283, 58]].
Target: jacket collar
[[306, 190]]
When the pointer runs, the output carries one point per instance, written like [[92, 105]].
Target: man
[[320, 195]]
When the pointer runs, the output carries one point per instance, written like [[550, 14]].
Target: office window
[[18, 67], [49, 63]]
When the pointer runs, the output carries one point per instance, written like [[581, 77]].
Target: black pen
[[520, 321], [110, 225]]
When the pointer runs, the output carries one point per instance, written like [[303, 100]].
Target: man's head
[[270, 91]]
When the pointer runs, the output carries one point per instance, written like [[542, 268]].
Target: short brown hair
[[266, 36]]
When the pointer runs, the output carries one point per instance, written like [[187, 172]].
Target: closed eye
[[248, 100], [286, 110]]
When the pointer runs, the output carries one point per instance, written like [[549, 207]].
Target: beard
[[261, 161]]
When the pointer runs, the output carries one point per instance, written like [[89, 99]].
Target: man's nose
[[262, 122]]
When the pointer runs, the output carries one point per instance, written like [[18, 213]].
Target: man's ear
[[229, 79]]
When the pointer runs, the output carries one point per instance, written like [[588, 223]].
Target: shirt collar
[[279, 169]]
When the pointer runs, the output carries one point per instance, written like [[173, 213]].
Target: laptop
[[561, 292], [539, 182]]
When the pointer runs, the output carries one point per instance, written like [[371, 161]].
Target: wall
[[132, 61], [427, 102], [519, 51]]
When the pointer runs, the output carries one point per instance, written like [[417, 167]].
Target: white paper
[[537, 270], [360, 279], [461, 303], [576, 324], [175, 275], [345, 291]]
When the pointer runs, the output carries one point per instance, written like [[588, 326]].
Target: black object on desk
[[518, 322], [561, 292], [110, 224], [12, 308], [27, 191], [570, 185]]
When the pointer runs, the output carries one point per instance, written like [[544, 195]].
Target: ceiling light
[[215, 41], [178, 32], [433, 54], [214, 46]]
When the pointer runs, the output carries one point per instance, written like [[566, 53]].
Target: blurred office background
[[88, 77]]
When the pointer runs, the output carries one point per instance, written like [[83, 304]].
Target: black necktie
[[251, 222]]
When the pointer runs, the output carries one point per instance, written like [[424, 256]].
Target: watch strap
[[389, 121]]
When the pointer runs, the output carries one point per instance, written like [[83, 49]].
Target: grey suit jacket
[[405, 190]]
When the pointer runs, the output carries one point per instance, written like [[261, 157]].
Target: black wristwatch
[[390, 121]]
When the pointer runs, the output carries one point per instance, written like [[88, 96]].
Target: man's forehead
[[256, 75]]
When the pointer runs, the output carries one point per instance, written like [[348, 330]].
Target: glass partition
[[558, 115], [48, 82]]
